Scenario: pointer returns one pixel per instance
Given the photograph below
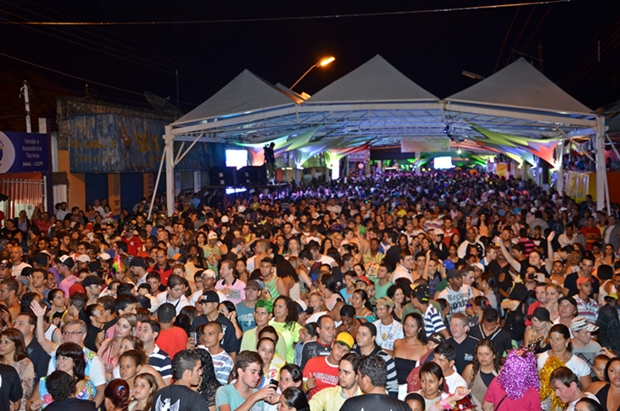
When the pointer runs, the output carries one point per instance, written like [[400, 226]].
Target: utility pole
[[540, 59], [24, 94]]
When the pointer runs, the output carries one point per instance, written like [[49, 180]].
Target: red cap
[[76, 288]]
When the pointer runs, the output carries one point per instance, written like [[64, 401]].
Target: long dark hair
[[294, 397], [497, 365], [291, 312], [75, 352], [117, 392], [209, 383], [564, 332], [420, 322], [364, 295], [17, 338], [285, 269]]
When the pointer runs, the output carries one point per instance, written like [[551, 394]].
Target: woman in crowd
[[516, 386], [409, 350], [431, 382], [328, 286], [561, 349], [144, 388], [117, 396], [13, 352], [485, 366], [608, 392], [208, 383], [397, 294], [554, 293], [288, 280], [272, 362], [134, 362], [241, 271], [285, 322], [293, 248], [110, 348], [537, 336], [359, 301], [57, 299], [290, 376], [228, 310], [70, 359], [293, 399]]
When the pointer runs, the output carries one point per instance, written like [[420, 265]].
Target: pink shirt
[[530, 401]]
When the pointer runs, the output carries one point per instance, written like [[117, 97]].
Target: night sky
[[432, 49]]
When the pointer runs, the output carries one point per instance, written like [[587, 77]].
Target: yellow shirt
[[329, 399]]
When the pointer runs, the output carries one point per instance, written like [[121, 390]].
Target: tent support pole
[[170, 186], [601, 170], [559, 153], [161, 165], [181, 156]]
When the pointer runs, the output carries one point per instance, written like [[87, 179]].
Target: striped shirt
[[159, 360], [223, 365], [432, 321], [587, 310]]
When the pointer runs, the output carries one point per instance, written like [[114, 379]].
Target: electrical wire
[[78, 77], [151, 55], [272, 19], [590, 61], [115, 52], [521, 33], [205, 81], [537, 27], [501, 50]]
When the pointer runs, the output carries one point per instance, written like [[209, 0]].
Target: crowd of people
[[441, 290]]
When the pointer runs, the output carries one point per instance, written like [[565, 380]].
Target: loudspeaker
[[252, 176], [223, 176]]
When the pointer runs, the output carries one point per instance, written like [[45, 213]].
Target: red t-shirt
[[326, 374], [530, 401], [133, 245], [172, 341]]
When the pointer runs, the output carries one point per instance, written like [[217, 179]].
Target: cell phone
[[193, 335], [273, 382]]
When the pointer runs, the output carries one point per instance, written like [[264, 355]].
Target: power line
[[78, 77], [146, 62], [521, 32], [157, 55], [537, 27], [271, 19], [501, 50]]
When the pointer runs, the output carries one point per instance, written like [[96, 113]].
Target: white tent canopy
[[377, 103]]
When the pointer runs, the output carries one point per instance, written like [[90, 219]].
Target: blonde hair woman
[[554, 293], [110, 349], [536, 338]]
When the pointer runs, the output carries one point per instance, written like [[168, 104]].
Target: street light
[[322, 63]]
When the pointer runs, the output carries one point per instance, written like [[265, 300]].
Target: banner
[[23, 152], [115, 143], [424, 144]]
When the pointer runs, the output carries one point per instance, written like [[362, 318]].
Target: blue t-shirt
[[227, 394], [245, 317]]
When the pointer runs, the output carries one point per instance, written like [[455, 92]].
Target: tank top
[[403, 368], [49, 333], [601, 395], [479, 388]]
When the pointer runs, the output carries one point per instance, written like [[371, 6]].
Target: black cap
[[138, 262], [421, 292], [95, 266], [65, 260], [541, 314], [210, 297], [569, 299], [41, 259], [454, 273], [91, 280]]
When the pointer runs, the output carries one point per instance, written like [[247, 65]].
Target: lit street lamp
[[322, 63]]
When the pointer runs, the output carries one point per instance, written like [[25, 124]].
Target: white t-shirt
[[391, 333], [457, 300], [454, 381], [578, 366]]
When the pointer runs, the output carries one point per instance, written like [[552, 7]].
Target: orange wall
[[76, 196], [613, 181]]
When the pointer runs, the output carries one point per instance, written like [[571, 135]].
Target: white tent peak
[[375, 80], [245, 93], [520, 85]]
